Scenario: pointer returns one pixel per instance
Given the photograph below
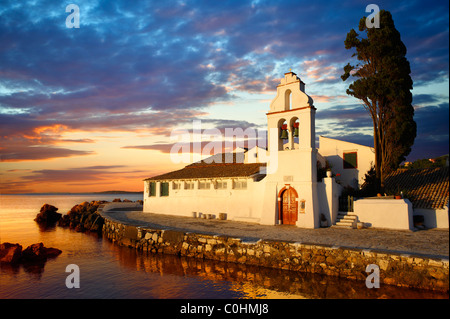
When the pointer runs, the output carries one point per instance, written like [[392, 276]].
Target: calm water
[[110, 271]]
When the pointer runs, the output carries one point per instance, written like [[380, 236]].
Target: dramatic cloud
[[24, 153], [148, 67]]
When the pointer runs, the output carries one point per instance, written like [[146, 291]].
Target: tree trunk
[[376, 146]]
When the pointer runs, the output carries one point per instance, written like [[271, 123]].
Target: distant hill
[[84, 193], [117, 192]]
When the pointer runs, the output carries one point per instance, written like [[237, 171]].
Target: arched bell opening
[[294, 125], [283, 135]]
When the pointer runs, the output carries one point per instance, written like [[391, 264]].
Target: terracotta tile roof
[[213, 168], [221, 158], [426, 188]]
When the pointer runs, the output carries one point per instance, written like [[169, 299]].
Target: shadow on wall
[[347, 176]]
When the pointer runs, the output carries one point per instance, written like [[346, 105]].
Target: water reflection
[[111, 271], [248, 281]]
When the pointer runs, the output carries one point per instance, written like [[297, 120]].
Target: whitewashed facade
[[249, 191]]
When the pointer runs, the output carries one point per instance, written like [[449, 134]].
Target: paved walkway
[[433, 242]]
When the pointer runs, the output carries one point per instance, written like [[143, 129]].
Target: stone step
[[346, 220], [342, 226], [346, 214], [349, 222], [346, 217]]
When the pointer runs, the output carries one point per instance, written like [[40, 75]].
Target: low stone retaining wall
[[395, 269]]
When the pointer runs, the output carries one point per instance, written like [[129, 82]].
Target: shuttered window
[[221, 185], [351, 160], [176, 185], [164, 189], [240, 184], [152, 189], [189, 185], [204, 185]]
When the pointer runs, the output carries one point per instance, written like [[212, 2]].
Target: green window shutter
[[351, 160], [164, 189], [152, 189]]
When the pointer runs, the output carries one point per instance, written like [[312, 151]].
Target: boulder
[[37, 252], [83, 217], [64, 221], [13, 253], [48, 215], [10, 253]]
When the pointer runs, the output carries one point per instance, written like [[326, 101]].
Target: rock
[[48, 215], [79, 228], [10, 253], [37, 252], [83, 217], [117, 200], [64, 221]]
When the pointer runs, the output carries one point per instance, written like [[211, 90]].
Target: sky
[[93, 108]]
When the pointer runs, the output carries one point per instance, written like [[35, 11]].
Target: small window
[[188, 185], [152, 189], [240, 184], [350, 160], [164, 189], [176, 185], [221, 185], [204, 185]]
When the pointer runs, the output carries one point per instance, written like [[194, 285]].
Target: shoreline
[[141, 231]]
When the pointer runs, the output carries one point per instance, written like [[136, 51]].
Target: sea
[[108, 271]]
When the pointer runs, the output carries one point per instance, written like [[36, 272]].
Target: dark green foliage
[[440, 161], [322, 171], [384, 86], [370, 185]]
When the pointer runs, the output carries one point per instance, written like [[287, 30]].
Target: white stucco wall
[[434, 218], [333, 151], [328, 193], [238, 204], [385, 213]]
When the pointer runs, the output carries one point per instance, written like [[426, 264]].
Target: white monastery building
[[241, 186]]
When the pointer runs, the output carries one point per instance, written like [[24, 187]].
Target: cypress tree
[[383, 84]]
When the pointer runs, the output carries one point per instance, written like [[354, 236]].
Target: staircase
[[346, 220]]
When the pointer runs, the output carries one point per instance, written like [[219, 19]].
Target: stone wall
[[395, 269]]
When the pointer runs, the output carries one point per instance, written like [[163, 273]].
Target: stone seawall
[[395, 269]]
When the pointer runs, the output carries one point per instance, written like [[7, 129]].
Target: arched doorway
[[287, 206]]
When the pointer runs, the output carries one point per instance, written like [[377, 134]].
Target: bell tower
[[293, 114], [292, 118]]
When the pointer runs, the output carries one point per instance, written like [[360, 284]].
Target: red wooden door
[[289, 207]]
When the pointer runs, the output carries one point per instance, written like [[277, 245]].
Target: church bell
[[295, 130], [284, 133]]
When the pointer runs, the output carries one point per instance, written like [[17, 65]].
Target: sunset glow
[[92, 108]]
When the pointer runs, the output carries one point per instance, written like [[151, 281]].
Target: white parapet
[[385, 213]]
